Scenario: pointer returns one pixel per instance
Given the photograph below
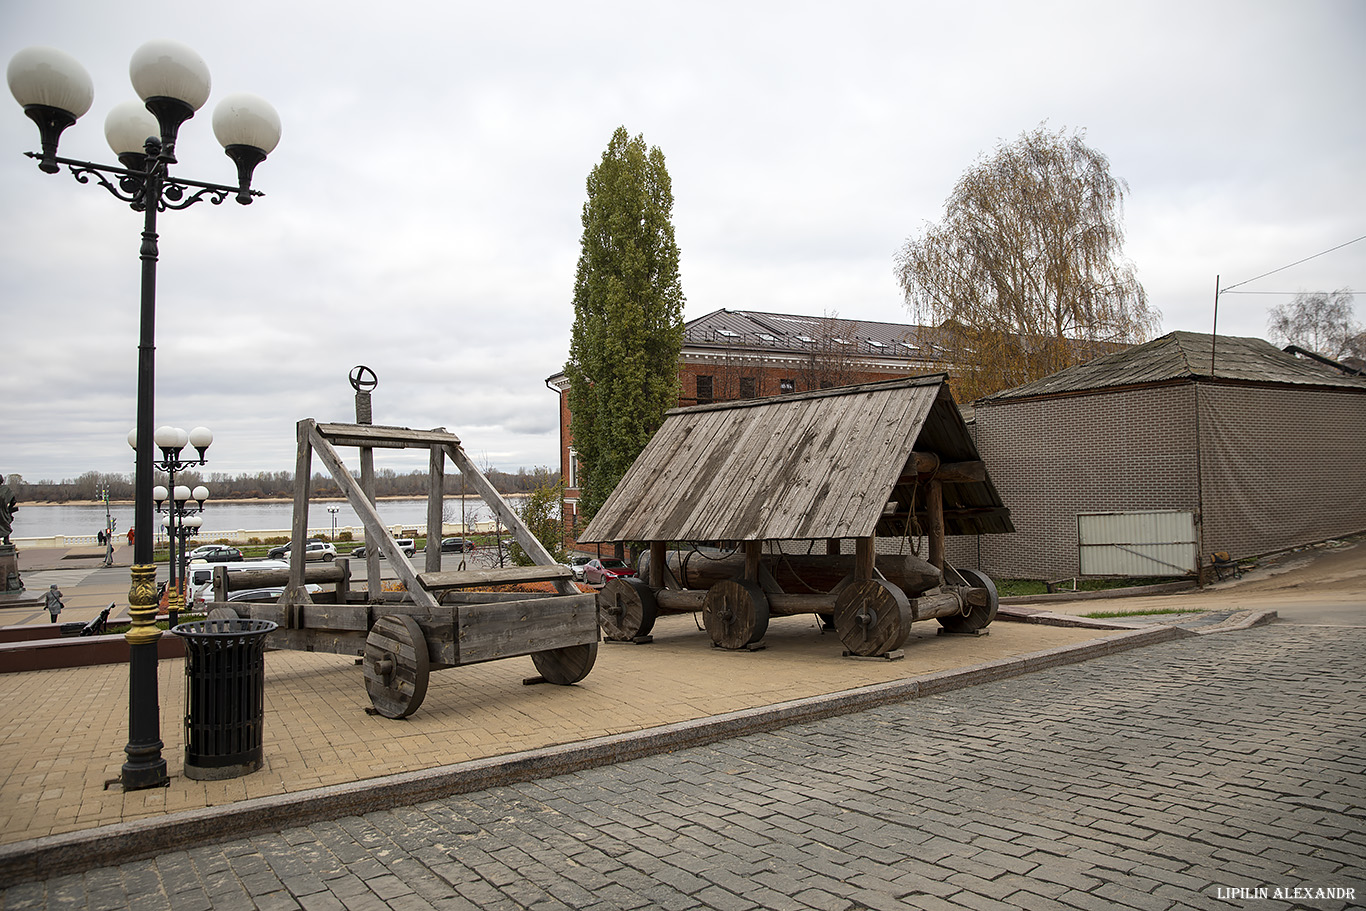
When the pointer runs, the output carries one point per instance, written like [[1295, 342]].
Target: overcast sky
[[422, 212]]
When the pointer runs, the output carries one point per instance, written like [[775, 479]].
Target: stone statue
[[8, 507]]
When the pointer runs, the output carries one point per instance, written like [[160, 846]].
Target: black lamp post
[[173, 82]]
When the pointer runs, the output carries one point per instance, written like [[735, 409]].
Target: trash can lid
[[224, 628]]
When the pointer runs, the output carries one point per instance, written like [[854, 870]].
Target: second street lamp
[[173, 83]]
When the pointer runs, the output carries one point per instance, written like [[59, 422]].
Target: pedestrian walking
[[54, 601]]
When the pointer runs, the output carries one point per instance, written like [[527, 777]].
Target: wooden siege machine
[[889, 460], [437, 622]]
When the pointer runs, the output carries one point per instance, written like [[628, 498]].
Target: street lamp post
[[334, 510], [173, 83], [182, 521]]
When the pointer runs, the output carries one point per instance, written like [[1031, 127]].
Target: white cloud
[[422, 210]]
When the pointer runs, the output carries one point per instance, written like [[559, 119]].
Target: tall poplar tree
[[628, 316]]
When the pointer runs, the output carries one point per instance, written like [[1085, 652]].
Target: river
[[43, 520]]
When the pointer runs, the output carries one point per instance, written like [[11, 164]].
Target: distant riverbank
[[221, 517]]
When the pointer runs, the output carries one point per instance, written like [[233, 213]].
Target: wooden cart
[[885, 460], [436, 621]]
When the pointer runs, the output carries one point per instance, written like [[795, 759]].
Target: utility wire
[[1296, 263]]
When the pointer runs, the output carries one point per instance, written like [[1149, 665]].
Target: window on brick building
[[704, 390], [747, 390], [786, 385]]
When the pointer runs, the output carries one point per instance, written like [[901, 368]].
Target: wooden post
[[934, 506], [754, 550], [658, 555], [298, 550], [373, 586], [832, 545], [436, 499], [865, 558]]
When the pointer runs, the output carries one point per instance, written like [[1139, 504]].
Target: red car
[[597, 572]]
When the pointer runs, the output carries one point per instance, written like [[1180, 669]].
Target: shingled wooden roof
[[809, 466], [1185, 357]]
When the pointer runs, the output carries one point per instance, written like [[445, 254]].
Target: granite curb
[[78, 851]]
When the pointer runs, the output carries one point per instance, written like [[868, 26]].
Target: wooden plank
[[302, 640], [510, 575], [375, 532], [335, 616], [380, 436], [486, 632]]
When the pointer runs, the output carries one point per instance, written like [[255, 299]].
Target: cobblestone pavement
[[1190, 774]]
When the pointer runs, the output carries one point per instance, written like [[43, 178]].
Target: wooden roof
[[1184, 357], [809, 466]]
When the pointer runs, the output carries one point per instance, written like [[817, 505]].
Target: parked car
[[267, 595], [456, 545], [320, 550], [216, 553], [576, 564], [404, 544], [597, 572], [281, 552]]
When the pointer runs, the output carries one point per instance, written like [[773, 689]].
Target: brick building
[[729, 355], [1104, 463]]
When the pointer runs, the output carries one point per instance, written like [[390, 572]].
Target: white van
[[201, 578]]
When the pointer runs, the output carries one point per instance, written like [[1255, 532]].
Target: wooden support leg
[[934, 505]]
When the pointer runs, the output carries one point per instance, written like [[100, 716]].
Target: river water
[[41, 520]]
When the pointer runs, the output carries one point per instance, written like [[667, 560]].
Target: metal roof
[[1185, 356], [808, 466], [755, 330]]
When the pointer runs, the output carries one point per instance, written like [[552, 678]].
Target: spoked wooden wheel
[[566, 665], [979, 616], [626, 609], [735, 613], [872, 617], [396, 665]]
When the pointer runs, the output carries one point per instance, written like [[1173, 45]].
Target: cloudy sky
[[422, 209]]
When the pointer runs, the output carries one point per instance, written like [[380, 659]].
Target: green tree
[[540, 513], [628, 315], [1025, 275]]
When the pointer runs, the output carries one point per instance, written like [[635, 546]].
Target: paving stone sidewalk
[[1188, 774]]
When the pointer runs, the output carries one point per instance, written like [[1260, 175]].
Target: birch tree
[[1025, 274]]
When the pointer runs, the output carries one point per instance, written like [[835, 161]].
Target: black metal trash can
[[225, 677]]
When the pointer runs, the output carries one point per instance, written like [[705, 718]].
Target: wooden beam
[[436, 495], [375, 533], [658, 561], [934, 505], [382, 437], [754, 550], [295, 591], [865, 558], [948, 472], [508, 575]]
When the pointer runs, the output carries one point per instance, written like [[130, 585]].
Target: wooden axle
[[800, 574], [873, 616]]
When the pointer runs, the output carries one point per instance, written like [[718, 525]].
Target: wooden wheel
[[626, 609], [979, 616], [396, 665], [873, 617], [735, 613], [566, 665]]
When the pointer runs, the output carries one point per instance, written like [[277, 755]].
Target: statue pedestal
[[11, 587]]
